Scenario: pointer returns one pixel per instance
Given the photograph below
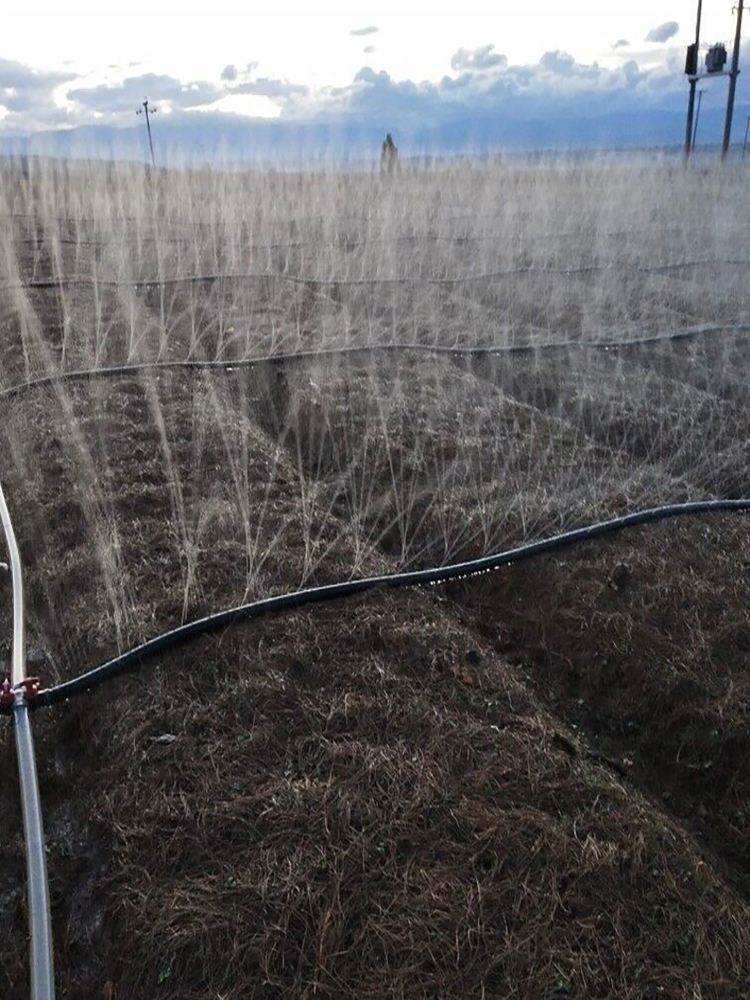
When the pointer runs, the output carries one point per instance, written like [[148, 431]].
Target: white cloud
[[478, 59], [111, 99], [483, 86], [360, 32], [23, 88], [29, 97], [269, 86], [558, 86], [273, 87]]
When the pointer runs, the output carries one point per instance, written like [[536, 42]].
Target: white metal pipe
[[40, 922], [18, 661], [40, 925]]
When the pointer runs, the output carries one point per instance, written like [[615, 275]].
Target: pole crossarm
[[697, 77]]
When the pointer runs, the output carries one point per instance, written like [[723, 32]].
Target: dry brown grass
[[365, 804]]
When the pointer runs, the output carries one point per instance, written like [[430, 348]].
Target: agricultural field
[[526, 783]]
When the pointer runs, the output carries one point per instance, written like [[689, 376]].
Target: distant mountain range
[[231, 139]]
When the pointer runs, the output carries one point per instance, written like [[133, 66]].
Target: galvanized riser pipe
[[40, 926]]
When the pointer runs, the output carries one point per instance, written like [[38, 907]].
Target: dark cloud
[[230, 73], [370, 90], [663, 32], [560, 63], [27, 96], [478, 59], [482, 87], [631, 71], [621, 43], [371, 30], [114, 98], [23, 88], [246, 82], [558, 88]]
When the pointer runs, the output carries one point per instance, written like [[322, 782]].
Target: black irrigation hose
[[295, 279], [688, 333], [138, 656], [344, 243], [243, 224]]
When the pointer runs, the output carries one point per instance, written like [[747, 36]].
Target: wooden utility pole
[[701, 92], [693, 82], [147, 109], [733, 74]]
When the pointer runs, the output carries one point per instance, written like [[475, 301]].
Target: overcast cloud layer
[[479, 84]]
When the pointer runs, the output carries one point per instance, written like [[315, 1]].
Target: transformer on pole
[[716, 59]]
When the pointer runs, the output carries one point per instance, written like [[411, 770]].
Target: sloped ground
[[370, 799], [528, 784], [643, 645], [360, 801]]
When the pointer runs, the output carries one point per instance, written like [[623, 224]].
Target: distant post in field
[[388, 156], [148, 110]]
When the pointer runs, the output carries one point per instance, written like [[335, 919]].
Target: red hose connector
[[7, 695], [30, 687]]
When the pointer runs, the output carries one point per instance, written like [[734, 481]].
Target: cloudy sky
[[80, 63]]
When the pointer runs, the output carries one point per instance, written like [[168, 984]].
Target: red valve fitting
[[30, 687], [7, 696]]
